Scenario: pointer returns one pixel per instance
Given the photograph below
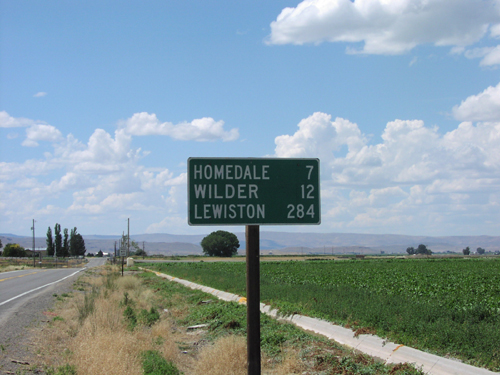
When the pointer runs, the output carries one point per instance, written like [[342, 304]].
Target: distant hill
[[283, 243]]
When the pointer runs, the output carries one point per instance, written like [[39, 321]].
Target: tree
[[100, 254], [140, 253], [76, 243], [14, 250], [65, 246], [220, 244], [422, 249], [410, 250], [58, 240], [50, 243], [480, 250], [466, 251], [1, 243]]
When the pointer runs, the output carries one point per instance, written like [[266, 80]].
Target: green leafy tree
[[14, 250], [466, 251], [65, 246], [58, 240], [220, 244], [50, 242], [76, 244], [100, 254], [410, 250], [1, 247], [480, 250], [422, 249]]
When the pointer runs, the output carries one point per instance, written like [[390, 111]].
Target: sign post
[[123, 254], [253, 192]]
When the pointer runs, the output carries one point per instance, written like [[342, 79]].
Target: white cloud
[[490, 56], [40, 94], [414, 176], [39, 132], [482, 107], [386, 27], [97, 180], [204, 129], [7, 121]]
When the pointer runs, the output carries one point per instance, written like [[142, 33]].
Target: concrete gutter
[[389, 352]]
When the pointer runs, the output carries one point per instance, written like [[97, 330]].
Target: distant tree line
[[69, 245], [479, 251]]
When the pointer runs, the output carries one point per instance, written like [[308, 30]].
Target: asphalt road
[[17, 287], [24, 295]]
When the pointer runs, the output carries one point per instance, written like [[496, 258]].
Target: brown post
[[253, 299]]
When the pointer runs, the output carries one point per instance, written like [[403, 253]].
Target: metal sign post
[[253, 299], [253, 192], [123, 253]]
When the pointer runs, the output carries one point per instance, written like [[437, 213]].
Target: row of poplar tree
[[63, 245]]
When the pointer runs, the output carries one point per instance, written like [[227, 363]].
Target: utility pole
[[128, 238], [33, 229]]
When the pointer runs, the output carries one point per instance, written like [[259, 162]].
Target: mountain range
[[283, 243]]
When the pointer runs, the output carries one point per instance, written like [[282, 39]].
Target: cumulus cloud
[[386, 27], [482, 107], [204, 129], [7, 121], [98, 180], [39, 132], [414, 176]]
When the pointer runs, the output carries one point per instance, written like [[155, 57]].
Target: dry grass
[[128, 283], [102, 343], [14, 268], [228, 355], [291, 364]]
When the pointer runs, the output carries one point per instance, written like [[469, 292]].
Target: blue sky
[[103, 102]]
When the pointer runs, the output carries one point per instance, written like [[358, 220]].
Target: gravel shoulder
[[18, 327], [23, 320]]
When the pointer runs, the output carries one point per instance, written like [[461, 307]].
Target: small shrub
[[130, 318], [88, 305], [154, 364], [148, 318]]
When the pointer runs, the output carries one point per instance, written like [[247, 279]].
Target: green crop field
[[445, 306]]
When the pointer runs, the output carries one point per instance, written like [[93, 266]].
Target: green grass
[[154, 364], [447, 306]]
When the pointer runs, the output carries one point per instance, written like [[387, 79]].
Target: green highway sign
[[253, 191]]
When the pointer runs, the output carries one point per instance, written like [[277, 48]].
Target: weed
[[126, 300], [61, 370], [154, 364], [130, 318], [87, 307], [148, 318]]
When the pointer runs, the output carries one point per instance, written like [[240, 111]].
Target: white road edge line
[[40, 287]]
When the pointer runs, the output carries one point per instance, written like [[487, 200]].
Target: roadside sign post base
[[253, 299]]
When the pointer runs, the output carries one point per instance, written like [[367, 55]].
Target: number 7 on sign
[[310, 167]]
